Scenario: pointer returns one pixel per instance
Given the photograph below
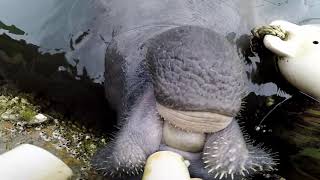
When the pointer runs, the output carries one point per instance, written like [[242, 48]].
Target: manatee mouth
[[194, 121]]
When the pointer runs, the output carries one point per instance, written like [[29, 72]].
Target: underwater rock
[[40, 118], [22, 121]]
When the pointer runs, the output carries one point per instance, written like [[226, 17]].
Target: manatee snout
[[198, 78], [199, 82], [196, 69]]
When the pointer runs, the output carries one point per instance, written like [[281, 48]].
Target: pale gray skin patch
[[135, 96]]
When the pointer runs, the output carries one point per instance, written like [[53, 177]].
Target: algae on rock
[[21, 121]]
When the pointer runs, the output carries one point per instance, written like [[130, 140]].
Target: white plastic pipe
[[28, 162]]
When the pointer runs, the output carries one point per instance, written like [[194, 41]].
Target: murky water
[[56, 49]]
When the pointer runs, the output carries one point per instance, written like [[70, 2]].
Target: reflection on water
[[54, 25], [57, 25], [68, 38]]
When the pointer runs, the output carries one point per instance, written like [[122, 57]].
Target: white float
[[28, 162], [300, 55], [166, 165]]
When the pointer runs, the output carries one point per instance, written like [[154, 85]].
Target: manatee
[[177, 84]]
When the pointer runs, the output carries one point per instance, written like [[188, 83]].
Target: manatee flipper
[[227, 154], [140, 136]]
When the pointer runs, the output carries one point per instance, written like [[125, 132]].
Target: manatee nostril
[[315, 42]]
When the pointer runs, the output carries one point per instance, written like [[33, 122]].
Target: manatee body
[[177, 84]]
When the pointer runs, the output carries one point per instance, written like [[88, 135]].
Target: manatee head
[[195, 69], [199, 82]]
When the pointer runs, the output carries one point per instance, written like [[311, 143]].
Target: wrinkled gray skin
[[175, 52]]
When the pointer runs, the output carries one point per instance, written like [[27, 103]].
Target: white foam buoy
[[29, 162], [166, 165], [300, 55]]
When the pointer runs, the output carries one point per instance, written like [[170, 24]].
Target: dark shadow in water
[[51, 79]]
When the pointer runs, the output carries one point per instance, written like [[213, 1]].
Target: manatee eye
[[315, 42]]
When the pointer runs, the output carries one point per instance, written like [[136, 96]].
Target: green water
[[43, 52]]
